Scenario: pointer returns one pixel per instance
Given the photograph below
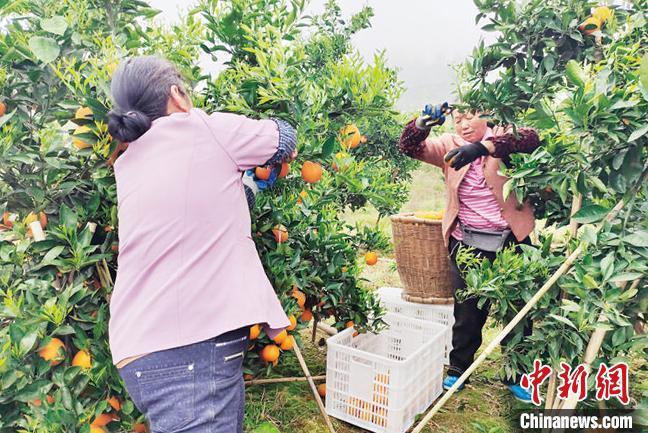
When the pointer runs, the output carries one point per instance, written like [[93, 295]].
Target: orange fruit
[[97, 429], [285, 169], [3, 108], [53, 351], [82, 359], [79, 143], [42, 216], [321, 389], [83, 113], [350, 136], [307, 316], [280, 337], [288, 343], [114, 402], [263, 173], [349, 324], [8, 219], [50, 400], [114, 247], [280, 233], [255, 331], [363, 139], [30, 218], [603, 13], [293, 323], [311, 172], [248, 377], [371, 258], [104, 419], [590, 25], [270, 353], [300, 297], [139, 428]]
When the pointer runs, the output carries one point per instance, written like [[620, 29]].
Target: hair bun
[[128, 126]]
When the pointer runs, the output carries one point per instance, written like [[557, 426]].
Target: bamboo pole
[[517, 319], [281, 380], [318, 399], [327, 328], [37, 231]]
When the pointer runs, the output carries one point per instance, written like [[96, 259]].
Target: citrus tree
[[56, 59], [578, 72]]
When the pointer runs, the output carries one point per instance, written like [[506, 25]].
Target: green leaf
[[53, 253], [626, 276], [643, 71], [607, 266], [590, 213], [328, 146], [28, 341], [590, 282], [56, 25], [564, 320], [68, 217], [638, 133], [45, 49], [638, 239], [575, 73]]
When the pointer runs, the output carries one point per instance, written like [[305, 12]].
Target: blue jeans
[[196, 388]]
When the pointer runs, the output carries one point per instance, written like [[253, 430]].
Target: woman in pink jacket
[[189, 280], [476, 213]]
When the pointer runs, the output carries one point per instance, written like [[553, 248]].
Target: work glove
[[465, 154], [432, 115]]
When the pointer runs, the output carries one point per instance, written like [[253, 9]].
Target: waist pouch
[[485, 240]]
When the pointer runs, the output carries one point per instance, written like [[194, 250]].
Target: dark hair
[[140, 90]]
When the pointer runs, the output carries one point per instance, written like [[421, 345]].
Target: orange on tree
[[83, 113], [255, 331], [293, 322], [280, 233], [321, 390], [285, 169], [114, 402], [139, 427], [37, 402], [307, 316], [104, 419], [270, 353], [603, 13], [311, 172], [300, 297], [8, 219], [263, 173], [288, 343], [280, 337], [3, 108], [350, 136], [82, 359], [590, 25], [53, 351], [371, 258], [80, 143], [349, 324]]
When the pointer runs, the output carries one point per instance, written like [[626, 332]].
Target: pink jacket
[[188, 269], [432, 150]]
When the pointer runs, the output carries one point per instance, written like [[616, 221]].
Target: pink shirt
[[478, 207], [188, 269]]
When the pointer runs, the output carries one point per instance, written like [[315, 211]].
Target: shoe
[[520, 394], [449, 381]]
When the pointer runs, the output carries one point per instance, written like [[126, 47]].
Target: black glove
[[465, 154]]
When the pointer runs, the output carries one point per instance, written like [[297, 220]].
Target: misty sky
[[422, 39]]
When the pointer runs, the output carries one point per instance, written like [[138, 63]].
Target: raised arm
[[415, 144]]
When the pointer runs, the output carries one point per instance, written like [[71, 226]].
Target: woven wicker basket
[[422, 259]]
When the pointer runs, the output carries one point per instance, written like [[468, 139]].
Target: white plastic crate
[[380, 382], [390, 298]]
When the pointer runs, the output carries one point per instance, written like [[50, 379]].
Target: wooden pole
[[517, 319], [318, 399], [281, 380], [327, 328]]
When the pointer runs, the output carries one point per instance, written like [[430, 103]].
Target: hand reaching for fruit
[[433, 115]]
